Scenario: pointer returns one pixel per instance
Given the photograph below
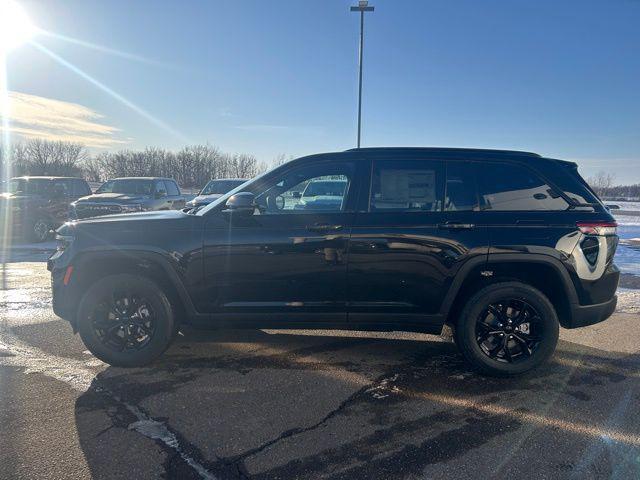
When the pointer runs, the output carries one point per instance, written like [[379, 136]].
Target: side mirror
[[296, 194], [241, 203]]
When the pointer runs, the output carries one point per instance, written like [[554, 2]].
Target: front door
[[290, 256], [422, 223]]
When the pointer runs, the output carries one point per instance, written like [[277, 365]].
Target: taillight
[[598, 228]]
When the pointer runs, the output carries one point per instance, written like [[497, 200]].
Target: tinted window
[[505, 186], [461, 191], [285, 194], [37, 186], [126, 185], [160, 187], [62, 187], [172, 188], [407, 185], [80, 188], [220, 186]]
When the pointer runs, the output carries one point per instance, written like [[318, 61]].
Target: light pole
[[363, 6]]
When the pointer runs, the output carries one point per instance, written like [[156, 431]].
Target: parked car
[[127, 195], [505, 247], [36, 205], [213, 190], [321, 194]]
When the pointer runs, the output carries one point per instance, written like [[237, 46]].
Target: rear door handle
[[455, 226], [324, 227]]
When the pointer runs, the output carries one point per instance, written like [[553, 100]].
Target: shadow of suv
[[36, 205], [127, 195], [504, 247]]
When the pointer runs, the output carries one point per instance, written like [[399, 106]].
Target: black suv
[[131, 194], [503, 246], [36, 205]]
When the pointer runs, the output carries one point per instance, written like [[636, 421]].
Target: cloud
[[31, 116]]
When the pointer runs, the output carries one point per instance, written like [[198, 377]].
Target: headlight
[[134, 207]]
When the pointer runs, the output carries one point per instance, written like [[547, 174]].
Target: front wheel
[[507, 329], [126, 320]]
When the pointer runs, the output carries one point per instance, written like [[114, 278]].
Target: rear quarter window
[[506, 186]]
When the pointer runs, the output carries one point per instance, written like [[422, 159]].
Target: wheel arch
[[94, 265], [543, 272]]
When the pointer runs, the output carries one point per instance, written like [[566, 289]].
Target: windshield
[[220, 186], [324, 188], [127, 185], [30, 186]]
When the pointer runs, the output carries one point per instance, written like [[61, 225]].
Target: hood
[[143, 218], [113, 198], [17, 196], [205, 199]]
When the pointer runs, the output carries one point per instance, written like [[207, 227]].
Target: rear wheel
[[507, 329], [126, 320]]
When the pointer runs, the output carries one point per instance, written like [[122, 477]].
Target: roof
[[142, 178], [447, 151], [46, 177]]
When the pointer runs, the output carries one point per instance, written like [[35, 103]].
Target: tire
[[130, 333], [38, 230], [507, 329]]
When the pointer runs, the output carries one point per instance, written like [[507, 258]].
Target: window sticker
[[408, 186]]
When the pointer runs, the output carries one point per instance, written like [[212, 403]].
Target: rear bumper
[[583, 315]]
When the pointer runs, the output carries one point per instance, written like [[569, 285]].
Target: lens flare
[[15, 26]]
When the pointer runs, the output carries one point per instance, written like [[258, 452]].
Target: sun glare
[[15, 26]]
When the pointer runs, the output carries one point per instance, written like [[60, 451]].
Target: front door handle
[[455, 226], [324, 227]]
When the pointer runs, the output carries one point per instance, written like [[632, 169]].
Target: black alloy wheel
[[126, 321], [509, 330]]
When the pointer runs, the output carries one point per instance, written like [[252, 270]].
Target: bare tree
[[601, 182]]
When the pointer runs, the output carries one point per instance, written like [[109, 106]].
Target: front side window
[[505, 186], [172, 188], [160, 188], [407, 185], [308, 189]]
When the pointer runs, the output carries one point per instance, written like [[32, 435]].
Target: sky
[[560, 78]]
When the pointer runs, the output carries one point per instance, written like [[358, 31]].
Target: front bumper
[[63, 300], [583, 315]]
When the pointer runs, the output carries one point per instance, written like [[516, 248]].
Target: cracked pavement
[[309, 404]]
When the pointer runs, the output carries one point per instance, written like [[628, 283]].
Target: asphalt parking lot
[[309, 404]]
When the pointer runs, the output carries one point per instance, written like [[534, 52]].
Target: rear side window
[[461, 192], [81, 188], [407, 185], [505, 186], [172, 188]]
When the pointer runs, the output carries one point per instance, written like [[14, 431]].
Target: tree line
[[191, 166], [603, 184]]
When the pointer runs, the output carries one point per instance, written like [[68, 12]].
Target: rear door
[[421, 224]]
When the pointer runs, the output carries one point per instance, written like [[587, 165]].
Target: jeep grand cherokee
[[503, 246]]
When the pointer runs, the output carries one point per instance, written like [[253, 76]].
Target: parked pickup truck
[[128, 195]]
